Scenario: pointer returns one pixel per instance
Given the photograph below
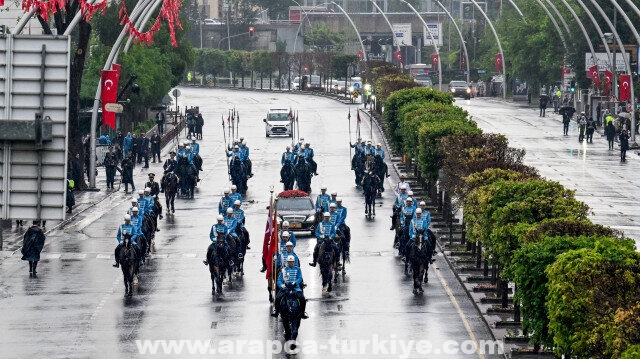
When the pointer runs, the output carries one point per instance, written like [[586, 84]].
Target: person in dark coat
[[155, 146], [160, 122], [624, 145], [76, 169], [610, 132], [136, 149], [71, 199], [127, 173], [32, 246], [543, 104], [591, 127], [110, 164], [143, 150]]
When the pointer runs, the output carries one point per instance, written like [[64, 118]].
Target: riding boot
[[35, 265], [116, 253], [303, 306], [315, 255]]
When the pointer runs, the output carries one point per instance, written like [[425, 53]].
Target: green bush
[[144, 126]]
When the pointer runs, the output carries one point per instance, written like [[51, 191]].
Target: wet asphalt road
[[76, 308]]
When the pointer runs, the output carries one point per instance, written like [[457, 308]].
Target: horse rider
[[425, 212], [235, 153], [379, 151], [110, 165], [342, 211], [292, 236], [134, 203], [297, 146], [402, 183], [231, 223], [419, 225], [245, 154], [398, 204], [290, 274], [238, 214], [369, 149], [143, 204], [225, 202], [324, 231], [126, 228], [287, 156], [285, 252], [136, 218], [234, 195], [153, 186], [181, 149], [195, 147], [151, 204], [334, 198], [309, 158], [359, 151], [168, 166], [322, 200], [285, 239], [218, 229], [407, 211]]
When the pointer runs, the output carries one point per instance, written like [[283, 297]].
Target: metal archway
[[495, 34], [464, 45], [387, 20]]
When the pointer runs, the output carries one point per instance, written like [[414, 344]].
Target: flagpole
[[229, 128], [298, 126], [349, 117], [225, 148], [371, 126]]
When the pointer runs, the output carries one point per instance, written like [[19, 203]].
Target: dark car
[[460, 89], [298, 211]]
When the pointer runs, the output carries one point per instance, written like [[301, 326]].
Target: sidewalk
[[12, 235]]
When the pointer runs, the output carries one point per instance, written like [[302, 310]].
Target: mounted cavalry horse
[[302, 172], [370, 187], [287, 175], [170, 184], [290, 310], [187, 175], [239, 175], [128, 263], [419, 253], [220, 260]]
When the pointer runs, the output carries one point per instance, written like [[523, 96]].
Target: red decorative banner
[[625, 87], [398, 55], [43, 8], [360, 54], [609, 78], [498, 61], [434, 60]]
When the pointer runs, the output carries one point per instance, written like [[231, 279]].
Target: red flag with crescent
[[625, 87], [109, 94], [398, 56], [360, 54], [609, 78], [594, 75], [498, 61], [434, 60]]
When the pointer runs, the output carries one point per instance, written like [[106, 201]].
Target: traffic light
[[573, 86], [251, 31]]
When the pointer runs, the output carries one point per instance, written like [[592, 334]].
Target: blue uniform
[[236, 154], [282, 258], [225, 202], [128, 228], [369, 150], [136, 221], [325, 229], [380, 152], [335, 218], [238, 214], [127, 144], [342, 210], [418, 225], [287, 156], [218, 228], [359, 148], [235, 196], [407, 213], [151, 202], [231, 223], [245, 151], [400, 198], [189, 155], [195, 148], [308, 155], [181, 152], [290, 275], [292, 237], [322, 203], [296, 148]]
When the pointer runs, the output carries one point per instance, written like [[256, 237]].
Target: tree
[[322, 38]]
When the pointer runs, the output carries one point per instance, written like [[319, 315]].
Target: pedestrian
[[127, 145], [566, 119], [599, 114], [119, 139], [143, 150], [199, 124], [71, 198], [582, 126], [624, 145], [591, 127], [555, 99], [32, 246], [543, 105], [76, 169], [127, 173], [110, 164], [136, 149], [610, 132], [155, 146], [160, 122]]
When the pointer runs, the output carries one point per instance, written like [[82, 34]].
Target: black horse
[[380, 169], [419, 254], [241, 249], [359, 168], [328, 261], [303, 176], [287, 175], [187, 174], [197, 162], [370, 186], [128, 264], [219, 260], [291, 312], [343, 242], [170, 183], [238, 174]]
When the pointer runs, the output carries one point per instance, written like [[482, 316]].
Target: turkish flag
[[398, 56], [271, 239], [109, 83], [360, 54], [498, 61], [434, 61], [609, 78], [594, 75], [625, 87]]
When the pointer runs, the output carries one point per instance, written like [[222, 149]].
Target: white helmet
[[423, 203], [409, 199], [135, 209], [141, 192], [291, 259], [133, 200], [404, 186], [339, 199], [127, 217], [410, 193], [220, 218], [419, 211], [234, 187], [333, 205], [147, 189], [286, 234], [187, 147], [236, 202], [289, 244], [285, 224], [327, 214], [229, 210], [226, 190]]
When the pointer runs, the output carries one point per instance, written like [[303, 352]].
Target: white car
[[277, 123]]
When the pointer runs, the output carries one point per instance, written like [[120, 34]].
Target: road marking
[[459, 310], [103, 256], [53, 255]]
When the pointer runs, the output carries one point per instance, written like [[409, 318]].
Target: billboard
[[436, 33], [402, 34], [602, 60], [33, 175]]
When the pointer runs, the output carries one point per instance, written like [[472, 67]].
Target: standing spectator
[[624, 145], [87, 154], [71, 199], [160, 122], [599, 114], [136, 149], [610, 132], [543, 104], [127, 145], [32, 246], [199, 124], [566, 119], [591, 127], [144, 149], [555, 99], [127, 173], [76, 169], [110, 164], [155, 146], [582, 126], [119, 139], [117, 150]]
